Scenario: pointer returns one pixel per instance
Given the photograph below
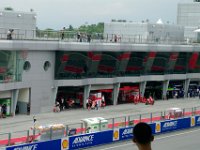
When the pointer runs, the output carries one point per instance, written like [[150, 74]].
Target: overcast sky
[[59, 13]]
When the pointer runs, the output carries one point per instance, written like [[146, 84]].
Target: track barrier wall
[[98, 138]]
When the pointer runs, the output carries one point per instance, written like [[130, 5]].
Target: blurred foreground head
[[142, 136]]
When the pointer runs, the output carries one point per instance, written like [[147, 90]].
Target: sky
[[57, 14]]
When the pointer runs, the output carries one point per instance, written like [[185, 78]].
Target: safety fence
[[114, 127], [116, 134], [75, 36]]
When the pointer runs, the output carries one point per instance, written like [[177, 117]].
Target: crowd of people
[[95, 104], [81, 37], [115, 38], [63, 104]]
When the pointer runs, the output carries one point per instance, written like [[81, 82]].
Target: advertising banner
[[65, 143], [125, 133], [171, 125], [192, 122], [153, 127], [116, 134], [92, 139], [158, 127], [54, 144], [197, 120]]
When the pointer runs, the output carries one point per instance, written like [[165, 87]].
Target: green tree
[[93, 28], [71, 28]]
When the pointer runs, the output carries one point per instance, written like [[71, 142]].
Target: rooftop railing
[[32, 135], [72, 36]]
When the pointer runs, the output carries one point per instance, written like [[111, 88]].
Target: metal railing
[[32, 135], [71, 36]]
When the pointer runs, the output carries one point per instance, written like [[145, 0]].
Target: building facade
[[144, 32], [50, 69], [188, 15]]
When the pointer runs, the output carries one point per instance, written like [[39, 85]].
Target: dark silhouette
[[142, 136], [63, 33], [89, 37], [78, 37], [9, 34]]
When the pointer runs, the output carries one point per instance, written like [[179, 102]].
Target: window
[[27, 66], [46, 65]]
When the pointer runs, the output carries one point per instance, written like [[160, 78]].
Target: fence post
[[34, 132], [27, 139], [9, 138], [113, 122], [151, 117], [161, 115], [66, 130], [50, 133], [125, 121], [99, 125], [164, 115], [195, 110], [129, 120], [81, 128], [183, 112], [174, 114], [140, 117]]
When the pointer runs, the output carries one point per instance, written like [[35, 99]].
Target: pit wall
[[118, 134]]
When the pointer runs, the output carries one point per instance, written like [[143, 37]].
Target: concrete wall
[[19, 21], [40, 81], [114, 47], [5, 94], [143, 32]]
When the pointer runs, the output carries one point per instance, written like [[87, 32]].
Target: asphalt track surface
[[179, 140], [25, 122]]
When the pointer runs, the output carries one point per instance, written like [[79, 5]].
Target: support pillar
[[186, 87], [87, 89], [142, 88], [165, 87], [14, 99], [54, 94], [116, 93]]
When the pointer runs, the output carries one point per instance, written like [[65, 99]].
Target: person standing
[[88, 38], [4, 109], [199, 94], [9, 34], [0, 111], [63, 33], [62, 104], [96, 105], [78, 37], [115, 38], [142, 136]]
